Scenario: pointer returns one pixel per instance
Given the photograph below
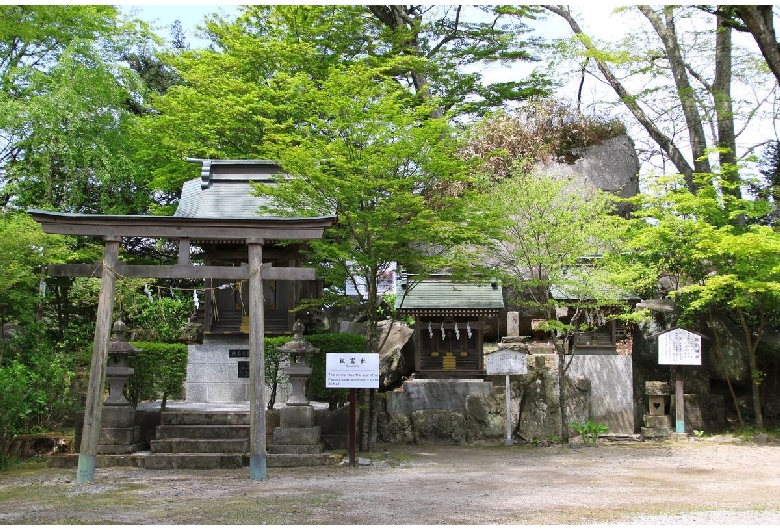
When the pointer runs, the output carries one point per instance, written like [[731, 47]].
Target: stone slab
[[297, 416], [295, 449], [437, 394], [658, 422], [296, 435], [117, 416], [611, 395], [120, 449], [703, 412], [119, 435]]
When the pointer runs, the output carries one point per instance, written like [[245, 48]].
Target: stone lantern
[[298, 351], [118, 432], [297, 433]]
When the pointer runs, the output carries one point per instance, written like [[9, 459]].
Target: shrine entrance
[[219, 208]]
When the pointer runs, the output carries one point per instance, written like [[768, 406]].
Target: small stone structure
[[658, 421], [118, 432], [297, 434]]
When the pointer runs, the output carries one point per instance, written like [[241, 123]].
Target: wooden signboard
[[679, 347], [506, 362], [352, 370]]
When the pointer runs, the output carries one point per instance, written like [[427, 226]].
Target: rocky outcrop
[[612, 165]]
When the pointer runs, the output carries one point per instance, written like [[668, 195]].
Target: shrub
[[162, 319], [274, 360], [14, 404], [160, 371]]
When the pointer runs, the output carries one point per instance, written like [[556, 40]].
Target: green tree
[[713, 263], [367, 154], [64, 118], [541, 228], [244, 96]]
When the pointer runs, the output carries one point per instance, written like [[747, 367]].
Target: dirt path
[[690, 482]]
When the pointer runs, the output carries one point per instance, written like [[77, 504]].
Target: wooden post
[[352, 426], [257, 455], [508, 440], [97, 372], [679, 400]]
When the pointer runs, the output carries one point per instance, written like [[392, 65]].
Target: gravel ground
[[644, 483]]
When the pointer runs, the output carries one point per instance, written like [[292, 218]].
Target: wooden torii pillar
[[112, 228]]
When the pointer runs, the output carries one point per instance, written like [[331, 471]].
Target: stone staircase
[[220, 440], [200, 440]]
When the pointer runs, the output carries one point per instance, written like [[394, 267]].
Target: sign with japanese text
[[506, 362], [679, 347], [352, 370]]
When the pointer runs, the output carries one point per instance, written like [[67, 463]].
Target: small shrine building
[[451, 321]]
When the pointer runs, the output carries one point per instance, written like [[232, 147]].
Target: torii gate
[[112, 228]]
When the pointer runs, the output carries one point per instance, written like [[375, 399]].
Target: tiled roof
[[224, 189], [441, 295]]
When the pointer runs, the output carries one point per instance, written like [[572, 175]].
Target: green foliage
[[330, 343], [37, 378], [541, 228], [274, 359], [160, 371], [14, 404], [161, 319], [64, 119], [24, 248], [589, 430]]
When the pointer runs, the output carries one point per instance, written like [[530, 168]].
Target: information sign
[[506, 362], [352, 370], [679, 347]]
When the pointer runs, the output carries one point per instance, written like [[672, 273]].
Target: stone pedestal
[[658, 420]]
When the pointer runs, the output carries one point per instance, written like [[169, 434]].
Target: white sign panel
[[506, 362], [679, 346], [352, 370]]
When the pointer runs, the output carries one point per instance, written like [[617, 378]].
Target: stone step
[[307, 460], [204, 418], [205, 432], [295, 449], [187, 445], [193, 461]]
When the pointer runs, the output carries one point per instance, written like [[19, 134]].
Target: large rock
[[393, 335], [612, 165]]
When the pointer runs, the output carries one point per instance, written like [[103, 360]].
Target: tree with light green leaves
[[368, 153], [243, 97], [715, 254], [541, 228], [64, 113]]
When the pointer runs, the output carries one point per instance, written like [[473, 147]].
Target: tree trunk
[[760, 23], [721, 93], [751, 342], [728, 379], [667, 32], [666, 144]]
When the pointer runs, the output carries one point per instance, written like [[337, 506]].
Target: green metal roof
[[443, 296]]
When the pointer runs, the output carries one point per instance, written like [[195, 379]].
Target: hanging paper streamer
[[173, 295], [468, 329], [430, 331], [148, 293], [442, 331], [457, 332], [195, 300]]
